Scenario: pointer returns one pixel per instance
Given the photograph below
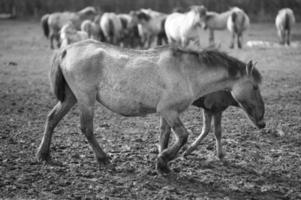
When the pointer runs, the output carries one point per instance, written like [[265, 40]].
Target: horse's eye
[[255, 87]]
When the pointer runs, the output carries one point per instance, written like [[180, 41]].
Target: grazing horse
[[92, 29], [150, 26], [111, 26], [235, 20], [163, 80], [69, 35], [181, 28], [52, 23], [284, 21]]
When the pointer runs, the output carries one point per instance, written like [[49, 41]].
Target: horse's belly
[[130, 98]]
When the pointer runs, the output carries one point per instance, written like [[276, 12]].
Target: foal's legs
[[164, 135], [207, 116], [172, 118], [218, 134], [53, 118]]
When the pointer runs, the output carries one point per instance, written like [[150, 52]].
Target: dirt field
[[259, 164]]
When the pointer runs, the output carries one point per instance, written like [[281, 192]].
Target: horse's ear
[[249, 68]]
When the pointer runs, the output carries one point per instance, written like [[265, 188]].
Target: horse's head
[[247, 93], [201, 12]]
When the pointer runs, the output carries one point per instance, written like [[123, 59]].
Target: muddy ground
[[259, 164]]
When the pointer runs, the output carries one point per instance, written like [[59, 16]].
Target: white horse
[[150, 26], [235, 20], [181, 28], [111, 26], [284, 21], [69, 34]]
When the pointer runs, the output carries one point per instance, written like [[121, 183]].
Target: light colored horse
[[92, 29], [129, 82], [69, 34], [181, 28], [284, 22], [111, 26], [235, 20], [52, 23], [150, 26]]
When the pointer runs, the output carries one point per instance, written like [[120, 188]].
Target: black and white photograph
[[150, 99]]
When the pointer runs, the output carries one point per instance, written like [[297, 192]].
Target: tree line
[[258, 10]]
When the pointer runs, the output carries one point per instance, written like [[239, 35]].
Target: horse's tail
[[111, 29], [234, 19], [45, 26], [57, 80], [287, 24]]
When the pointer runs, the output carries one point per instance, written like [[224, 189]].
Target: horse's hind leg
[[164, 134], [288, 37], [218, 134], [53, 118], [239, 40], [232, 40], [207, 116], [172, 118], [86, 122]]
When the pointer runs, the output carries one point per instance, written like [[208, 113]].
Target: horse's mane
[[217, 58]]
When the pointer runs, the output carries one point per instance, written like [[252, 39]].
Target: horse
[[92, 29], [235, 20], [69, 35], [181, 28], [164, 80], [52, 23], [284, 22], [150, 26], [111, 26]]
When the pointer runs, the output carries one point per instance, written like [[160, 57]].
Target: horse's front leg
[[218, 135], [86, 121], [211, 37], [172, 118], [53, 118], [51, 38], [207, 117], [288, 37], [164, 134]]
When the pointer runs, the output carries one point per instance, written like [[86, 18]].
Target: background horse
[[69, 34], [151, 26], [235, 20], [111, 26], [284, 22], [52, 23], [129, 82], [92, 29], [181, 28]]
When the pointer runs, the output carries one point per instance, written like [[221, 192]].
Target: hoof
[[43, 156], [221, 156], [104, 162], [162, 166]]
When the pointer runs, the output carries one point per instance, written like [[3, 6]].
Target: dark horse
[[163, 80]]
